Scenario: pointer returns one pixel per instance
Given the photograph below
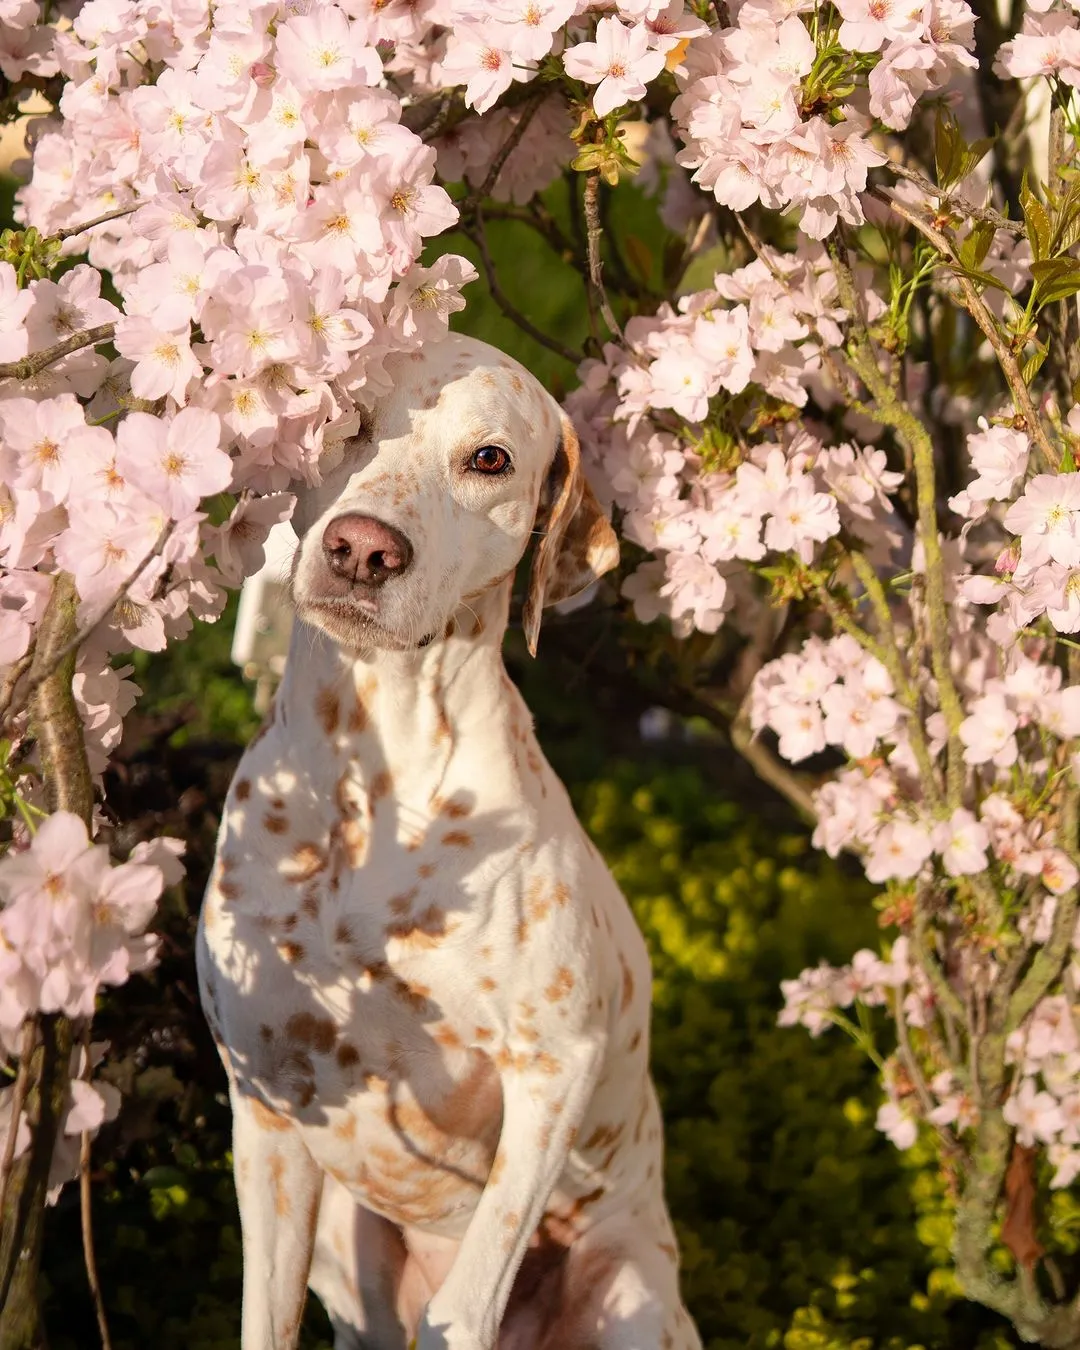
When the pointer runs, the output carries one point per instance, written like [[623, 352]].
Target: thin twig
[[479, 238], [18, 1101], [86, 1212], [13, 675], [594, 233], [915, 1073], [956, 205], [768, 768], [976, 307], [528, 112], [890, 410], [29, 366], [71, 230]]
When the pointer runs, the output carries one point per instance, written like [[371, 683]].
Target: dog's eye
[[490, 459]]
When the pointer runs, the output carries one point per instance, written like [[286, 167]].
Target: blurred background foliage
[[801, 1227]]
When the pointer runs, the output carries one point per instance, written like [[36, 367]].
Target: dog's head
[[436, 503]]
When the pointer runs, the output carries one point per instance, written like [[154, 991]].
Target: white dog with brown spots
[[431, 999]]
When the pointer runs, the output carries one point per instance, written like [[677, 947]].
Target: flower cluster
[[761, 121], [71, 921], [1048, 44], [642, 412], [88, 1105]]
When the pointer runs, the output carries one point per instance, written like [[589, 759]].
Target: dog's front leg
[[544, 1101], [278, 1188]]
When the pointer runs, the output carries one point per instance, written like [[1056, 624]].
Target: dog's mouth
[[353, 621]]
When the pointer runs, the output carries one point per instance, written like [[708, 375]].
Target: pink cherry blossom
[[620, 62], [175, 463]]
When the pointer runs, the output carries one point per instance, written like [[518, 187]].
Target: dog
[[430, 997]]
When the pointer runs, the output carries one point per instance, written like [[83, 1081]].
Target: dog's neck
[[405, 712]]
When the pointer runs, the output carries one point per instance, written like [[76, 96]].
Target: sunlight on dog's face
[[433, 505]]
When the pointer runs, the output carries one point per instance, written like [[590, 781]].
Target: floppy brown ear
[[577, 543]]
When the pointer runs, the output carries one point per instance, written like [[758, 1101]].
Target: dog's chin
[[355, 624]]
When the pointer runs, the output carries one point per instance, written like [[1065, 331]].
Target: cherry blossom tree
[[834, 414]]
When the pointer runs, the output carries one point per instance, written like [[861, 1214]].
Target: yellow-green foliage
[[800, 1225]]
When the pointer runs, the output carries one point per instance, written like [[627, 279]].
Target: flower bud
[[264, 75], [1008, 560]]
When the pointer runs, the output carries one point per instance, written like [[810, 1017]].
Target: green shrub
[[800, 1225]]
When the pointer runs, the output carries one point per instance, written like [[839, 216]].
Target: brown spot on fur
[[381, 785], [282, 1203], [487, 984], [483, 1034], [310, 904], [426, 929], [537, 903], [328, 710], [401, 904], [603, 1135], [275, 824], [426, 870], [319, 1033], [415, 995], [627, 985], [242, 789], [230, 890], [457, 839], [455, 809], [305, 861], [547, 1064], [346, 1129], [266, 1033], [635, 1041], [347, 1055], [355, 840], [292, 952], [560, 986], [447, 1037], [267, 1119]]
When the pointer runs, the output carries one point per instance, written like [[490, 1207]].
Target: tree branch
[[594, 233], [70, 231], [479, 238], [976, 307], [889, 410], [29, 366]]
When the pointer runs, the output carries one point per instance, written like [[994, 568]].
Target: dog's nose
[[364, 550]]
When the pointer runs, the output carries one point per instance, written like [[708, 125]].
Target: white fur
[[431, 998]]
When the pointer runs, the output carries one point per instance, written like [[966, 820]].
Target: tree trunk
[[58, 729]]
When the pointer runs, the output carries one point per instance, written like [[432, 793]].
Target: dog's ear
[[577, 544]]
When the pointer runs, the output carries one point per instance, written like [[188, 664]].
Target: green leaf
[[1040, 231], [1055, 279], [954, 158], [1067, 218], [984, 279], [977, 244], [1033, 364]]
